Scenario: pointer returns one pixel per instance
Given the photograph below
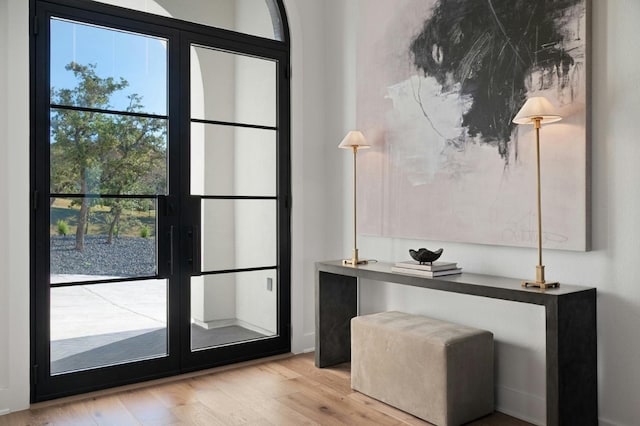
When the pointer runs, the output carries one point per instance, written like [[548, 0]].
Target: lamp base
[[540, 281], [543, 285], [354, 259], [354, 262]]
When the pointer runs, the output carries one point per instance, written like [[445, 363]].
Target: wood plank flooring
[[288, 391]]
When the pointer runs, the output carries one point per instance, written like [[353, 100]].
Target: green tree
[[93, 152], [137, 162]]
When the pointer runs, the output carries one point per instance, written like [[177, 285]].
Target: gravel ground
[[126, 257]]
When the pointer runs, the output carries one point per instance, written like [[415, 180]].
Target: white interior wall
[[4, 283], [315, 224], [14, 245], [307, 166]]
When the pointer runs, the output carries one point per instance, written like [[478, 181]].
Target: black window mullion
[[236, 270], [108, 111], [105, 281], [227, 123], [120, 196]]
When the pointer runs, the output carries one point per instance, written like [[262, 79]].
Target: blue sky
[[139, 59]]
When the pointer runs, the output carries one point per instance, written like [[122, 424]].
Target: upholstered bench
[[435, 370]]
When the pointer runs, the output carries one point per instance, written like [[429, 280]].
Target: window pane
[[130, 69], [255, 17], [232, 308], [106, 324], [232, 88], [238, 234], [228, 160], [119, 242], [95, 153]]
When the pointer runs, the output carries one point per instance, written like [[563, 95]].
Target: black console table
[[571, 343]]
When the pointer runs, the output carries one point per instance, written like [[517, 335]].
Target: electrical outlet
[[269, 284]]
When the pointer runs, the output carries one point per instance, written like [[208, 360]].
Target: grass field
[[131, 221]]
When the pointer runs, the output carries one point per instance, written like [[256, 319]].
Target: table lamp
[[354, 140], [536, 111]]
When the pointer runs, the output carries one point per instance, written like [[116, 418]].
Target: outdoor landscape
[[130, 252], [101, 161]]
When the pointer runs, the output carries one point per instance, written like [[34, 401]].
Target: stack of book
[[430, 270]]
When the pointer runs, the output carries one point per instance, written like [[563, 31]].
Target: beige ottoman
[[435, 370]]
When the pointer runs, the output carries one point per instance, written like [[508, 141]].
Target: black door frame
[[177, 214], [191, 208]]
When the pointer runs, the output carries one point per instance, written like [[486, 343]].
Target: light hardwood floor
[[288, 391]]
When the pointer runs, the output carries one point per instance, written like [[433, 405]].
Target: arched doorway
[[161, 189]]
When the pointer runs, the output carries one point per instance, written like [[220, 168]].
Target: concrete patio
[[103, 324]]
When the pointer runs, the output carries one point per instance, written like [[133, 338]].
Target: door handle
[[165, 236], [170, 250], [193, 250]]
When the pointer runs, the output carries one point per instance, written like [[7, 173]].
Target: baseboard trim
[[521, 405], [210, 325], [4, 411], [255, 328], [309, 342]]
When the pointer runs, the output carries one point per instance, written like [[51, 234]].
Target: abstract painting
[[439, 82]]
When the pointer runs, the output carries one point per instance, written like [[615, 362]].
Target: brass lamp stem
[[540, 281], [354, 256], [537, 127]]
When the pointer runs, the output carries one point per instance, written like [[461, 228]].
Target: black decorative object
[[423, 255]]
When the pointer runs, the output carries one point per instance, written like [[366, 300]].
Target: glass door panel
[[232, 88], [232, 161], [100, 325], [107, 168], [238, 234], [231, 308], [233, 166], [131, 64], [119, 240]]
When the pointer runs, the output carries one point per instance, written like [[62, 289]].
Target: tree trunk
[[112, 226], [82, 215]]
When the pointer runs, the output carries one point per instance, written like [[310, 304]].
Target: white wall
[[14, 245], [316, 214], [4, 283], [611, 266]]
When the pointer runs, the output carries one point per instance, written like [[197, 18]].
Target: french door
[[160, 178]]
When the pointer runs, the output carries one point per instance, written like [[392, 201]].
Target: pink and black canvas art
[[439, 82]]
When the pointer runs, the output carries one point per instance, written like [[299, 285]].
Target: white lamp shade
[[354, 138], [537, 107]]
